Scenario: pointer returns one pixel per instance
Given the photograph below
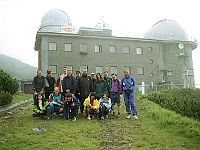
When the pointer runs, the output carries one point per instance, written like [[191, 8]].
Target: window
[[99, 69], [151, 75], [69, 67], [126, 50], [53, 68], [113, 69], [83, 67], [150, 49], [150, 61], [141, 71], [52, 46], [112, 49], [127, 68], [83, 48], [139, 51], [68, 47], [98, 48]]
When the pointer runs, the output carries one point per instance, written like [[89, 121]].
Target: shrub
[[183, 101], [5, 98], [7, 83]]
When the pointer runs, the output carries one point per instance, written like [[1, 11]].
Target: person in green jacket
[[99, 86], [41, 107]]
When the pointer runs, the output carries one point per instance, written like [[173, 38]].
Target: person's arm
[[96, 104], [35, 108]]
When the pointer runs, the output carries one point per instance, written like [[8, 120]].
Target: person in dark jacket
[[52, 82], [99, 86], [41, 107], [84, 85], [38, 84], [70, 106], [69, 83]]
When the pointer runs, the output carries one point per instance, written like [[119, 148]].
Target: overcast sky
[[20, 19]]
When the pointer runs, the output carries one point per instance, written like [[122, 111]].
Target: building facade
[[162, 56]]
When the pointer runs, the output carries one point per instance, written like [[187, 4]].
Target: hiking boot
[[128, 117], [106, 116], [135, 116], [118, 116], [74, 119], [48, 118], [102, 118], [88, 117]]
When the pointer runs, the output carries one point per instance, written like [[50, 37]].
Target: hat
[[92, 73], [49, 71]]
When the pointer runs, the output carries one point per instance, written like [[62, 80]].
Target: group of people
[[94, 95]]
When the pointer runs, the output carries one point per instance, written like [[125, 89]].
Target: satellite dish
[[180, 46]]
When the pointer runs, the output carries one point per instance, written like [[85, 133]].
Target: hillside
[[16, 68]]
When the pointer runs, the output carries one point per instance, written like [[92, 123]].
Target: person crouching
[[70, 107], [105, 105], [41, 107], [91, 105]]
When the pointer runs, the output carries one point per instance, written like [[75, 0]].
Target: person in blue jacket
[[128, 85]]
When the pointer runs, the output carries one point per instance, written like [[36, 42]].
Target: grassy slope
[[157, 128]]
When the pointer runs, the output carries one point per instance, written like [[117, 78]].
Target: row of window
[[97, 48], [99, 69]]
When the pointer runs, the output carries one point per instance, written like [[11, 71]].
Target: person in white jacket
[[105, 105]]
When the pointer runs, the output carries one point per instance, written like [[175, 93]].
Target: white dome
[[54, 21], [167, 30]]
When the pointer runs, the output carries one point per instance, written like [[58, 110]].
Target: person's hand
[[79, 93]]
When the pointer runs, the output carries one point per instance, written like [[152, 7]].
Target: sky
[[20, 19]]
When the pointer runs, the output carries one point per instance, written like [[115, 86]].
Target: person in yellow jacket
[[91, 105]]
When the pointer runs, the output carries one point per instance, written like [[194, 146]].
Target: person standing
[[84, 85], [69, 83], [99, 86], [92, 75], [61, 79], [38, 84], [115, 92], [107, 81], [128, 85], [78, 74], [52, 82]]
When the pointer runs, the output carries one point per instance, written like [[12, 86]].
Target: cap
[[92, 73], [48, 71]]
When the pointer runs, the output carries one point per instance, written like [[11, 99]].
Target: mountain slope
[[16, 68]]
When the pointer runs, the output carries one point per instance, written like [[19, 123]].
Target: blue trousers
[[130, 103], [55, 108]]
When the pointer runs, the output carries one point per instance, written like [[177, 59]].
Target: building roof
[[166, 30], [55, 21]]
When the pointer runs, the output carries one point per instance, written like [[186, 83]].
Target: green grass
[[156, 128], [18, 97]]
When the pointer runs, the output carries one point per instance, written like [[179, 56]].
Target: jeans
[[55, 108]]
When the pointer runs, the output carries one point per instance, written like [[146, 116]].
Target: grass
[[18, 97], [156, 128]]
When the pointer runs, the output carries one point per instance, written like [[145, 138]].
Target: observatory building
[[162, 56]]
